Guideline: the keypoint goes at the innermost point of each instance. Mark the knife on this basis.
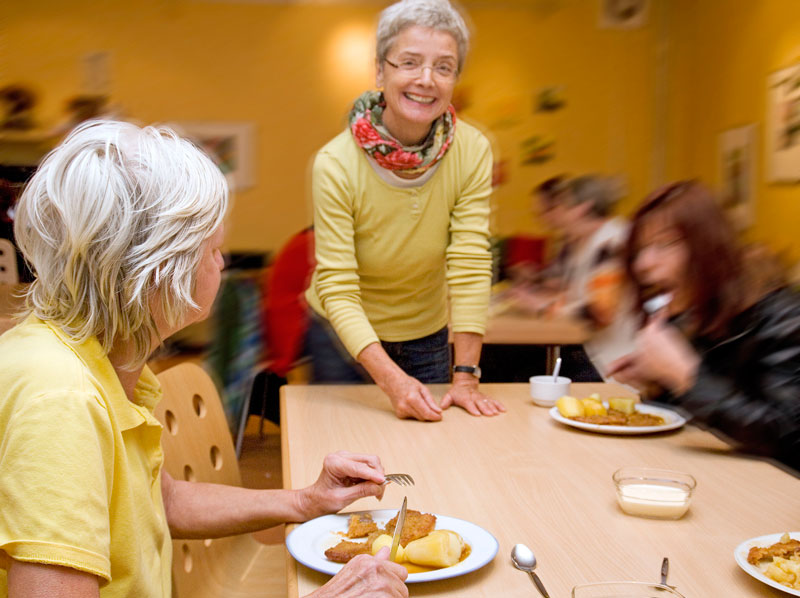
(398, 529)
(664, 571)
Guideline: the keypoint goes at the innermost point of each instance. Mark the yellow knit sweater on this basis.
(387, 255)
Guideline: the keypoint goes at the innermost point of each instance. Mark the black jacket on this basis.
(748, 385)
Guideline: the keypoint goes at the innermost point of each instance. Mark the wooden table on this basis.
(526, 478)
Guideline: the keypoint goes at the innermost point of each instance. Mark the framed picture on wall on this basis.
(737, 174)
(783, 126)
(230, 145)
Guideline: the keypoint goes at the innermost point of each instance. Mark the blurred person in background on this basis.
(726, 350)
(401, 219)
(547, 278)
(589, 275)
(123, 227)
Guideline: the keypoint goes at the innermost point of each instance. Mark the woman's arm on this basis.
(336, 281)
(464, 391)
(34, 580)
(198, 510)
(409, 397)
(756, 404)
(469, 275)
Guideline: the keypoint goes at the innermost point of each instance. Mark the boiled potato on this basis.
(440, 548)
(593, 407)
(624, 404)
(386, 540)
(569, 406)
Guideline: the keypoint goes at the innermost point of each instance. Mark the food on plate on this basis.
(416, 525)
(592, 406)
(621, 411)
(360, 525)
(780, 562)
(424, 549)
(386, 540)
(569, 406)
(440, 548)
(346, 550)
(626, 405)
(644, 419)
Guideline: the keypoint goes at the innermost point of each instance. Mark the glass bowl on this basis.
(654, 493)
(624, 589)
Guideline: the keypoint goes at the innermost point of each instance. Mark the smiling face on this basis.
(414, 101)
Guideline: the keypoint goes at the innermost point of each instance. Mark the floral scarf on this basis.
(366, 124)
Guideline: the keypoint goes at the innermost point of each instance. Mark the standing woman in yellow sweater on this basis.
(401, 218)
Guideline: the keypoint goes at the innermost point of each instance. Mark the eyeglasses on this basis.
(414, 68)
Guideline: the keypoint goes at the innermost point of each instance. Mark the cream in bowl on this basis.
(654, 493)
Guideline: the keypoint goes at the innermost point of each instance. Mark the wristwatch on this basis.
(468, 369)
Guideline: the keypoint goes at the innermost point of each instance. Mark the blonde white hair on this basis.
(116, 217)
(434, 14)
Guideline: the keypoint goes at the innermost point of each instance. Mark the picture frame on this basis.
(782, 139)
(229, 143)
(737, 174)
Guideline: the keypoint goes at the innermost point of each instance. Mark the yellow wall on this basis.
(294, 69)
(722, 52)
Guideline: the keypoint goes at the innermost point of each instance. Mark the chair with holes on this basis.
(198, 447)
(8, 263)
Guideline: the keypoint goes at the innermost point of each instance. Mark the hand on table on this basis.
(411, 398)
(464, 393)
(345, 477)
(662, 355)
(367, 576)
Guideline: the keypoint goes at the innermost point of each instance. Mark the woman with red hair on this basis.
(724, 350)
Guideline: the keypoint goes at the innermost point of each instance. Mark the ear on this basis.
(378, 74)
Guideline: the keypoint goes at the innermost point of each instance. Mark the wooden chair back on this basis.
(8, 263)
(198, 447)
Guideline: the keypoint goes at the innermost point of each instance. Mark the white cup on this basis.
(545, 392)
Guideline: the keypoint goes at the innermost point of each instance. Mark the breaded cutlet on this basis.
(361, 524)
(782, 549)
(346, 550)
(417, 525)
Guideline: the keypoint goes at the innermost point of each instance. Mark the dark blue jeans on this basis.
(427, 359)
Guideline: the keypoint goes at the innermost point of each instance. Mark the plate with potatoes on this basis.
(617, 415)
(773, 559)
(450, 548)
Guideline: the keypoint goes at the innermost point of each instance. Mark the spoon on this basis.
(524, 560)
(556, 370)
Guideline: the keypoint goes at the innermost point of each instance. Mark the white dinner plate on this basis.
(672, 420)
(740, 554)
(308, 542)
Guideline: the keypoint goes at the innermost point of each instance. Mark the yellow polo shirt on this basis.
(80, 464)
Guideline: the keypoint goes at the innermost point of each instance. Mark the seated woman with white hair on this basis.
(123, 227)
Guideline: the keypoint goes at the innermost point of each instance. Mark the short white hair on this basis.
(434, 14)
(116, 217)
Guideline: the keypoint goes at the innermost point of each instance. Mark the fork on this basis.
(401, 479)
